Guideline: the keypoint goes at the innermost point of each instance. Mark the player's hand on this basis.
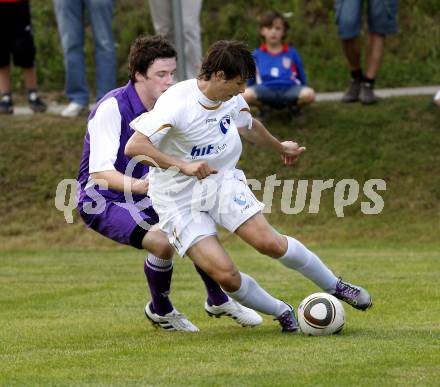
(199, 169)
(291, 152)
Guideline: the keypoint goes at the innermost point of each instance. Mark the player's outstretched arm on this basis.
(140, 145)
(259, 135)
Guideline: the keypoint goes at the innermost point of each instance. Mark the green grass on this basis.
(71, 301)
(75, 318)
(397, 140)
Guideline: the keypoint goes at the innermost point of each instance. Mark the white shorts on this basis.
(227, 201)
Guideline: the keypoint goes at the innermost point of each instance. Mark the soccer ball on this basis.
(321, 314)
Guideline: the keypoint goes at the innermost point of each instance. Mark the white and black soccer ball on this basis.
(321, 314)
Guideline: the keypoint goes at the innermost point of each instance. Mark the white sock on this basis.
(158, 264)
(300, 258)
(255, 297)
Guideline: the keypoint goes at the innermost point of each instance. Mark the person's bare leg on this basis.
(5, 79)
(257, 232)
(6, 105)
(30, 81)
(376, 44)
(375, 49)
(156, 242)
(306, 96)
(30, 78)
(250, 97)
(352, 51)
(294, 255)
(210, 256)
(158, 267)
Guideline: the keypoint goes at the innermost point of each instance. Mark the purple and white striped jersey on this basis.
(107, 134)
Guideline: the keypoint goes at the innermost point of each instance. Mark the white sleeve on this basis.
(156, 123)
(105, 132)
(242, 114)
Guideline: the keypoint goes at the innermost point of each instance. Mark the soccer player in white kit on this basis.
(192, 139)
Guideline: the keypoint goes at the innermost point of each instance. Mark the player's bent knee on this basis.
(307, 96)
(164, 250)
(159, 246)
(229, 280)
(270, 246)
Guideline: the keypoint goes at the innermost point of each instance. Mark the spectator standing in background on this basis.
(381, 22)
(70, 15)
(161, 13)
(16, 40)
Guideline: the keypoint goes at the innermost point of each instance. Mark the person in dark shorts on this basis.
(382, 21)
(16, 41)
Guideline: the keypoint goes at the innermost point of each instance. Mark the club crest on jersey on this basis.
(240, 199)
(286, 62)
(225, 122)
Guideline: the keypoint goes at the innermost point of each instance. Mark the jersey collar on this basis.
(204, 101)
(135, 102)
(284, 48)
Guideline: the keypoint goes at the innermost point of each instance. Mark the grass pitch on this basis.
(76, 318)
(71, 302)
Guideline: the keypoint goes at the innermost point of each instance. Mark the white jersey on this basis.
(187, 125)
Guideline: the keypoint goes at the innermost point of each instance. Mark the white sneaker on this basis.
(173, 321)
(244, 316)
(73, 109)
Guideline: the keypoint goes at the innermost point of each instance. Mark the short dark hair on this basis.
(269, 17)
(230, 56)
(145, 50)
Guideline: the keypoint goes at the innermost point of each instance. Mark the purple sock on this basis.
(216, 296)
(159, 272)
